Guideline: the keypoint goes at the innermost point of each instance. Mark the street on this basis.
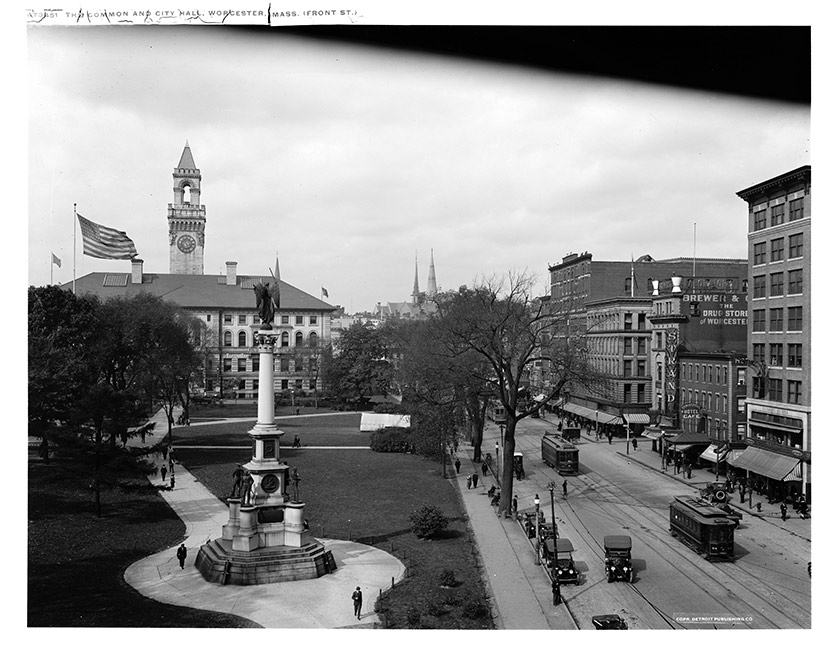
(767, 586)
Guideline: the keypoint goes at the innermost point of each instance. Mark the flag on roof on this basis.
(104, 242)
(324, 292)
(55, 260)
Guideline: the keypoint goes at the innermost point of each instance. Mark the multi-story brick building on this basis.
(778, 343)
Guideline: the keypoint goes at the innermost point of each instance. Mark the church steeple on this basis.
(186, 218)
(432, 285)
(416, 291)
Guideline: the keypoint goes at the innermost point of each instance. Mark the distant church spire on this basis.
(416, 291)
(432, 286)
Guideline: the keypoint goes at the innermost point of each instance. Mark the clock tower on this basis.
(186, 219)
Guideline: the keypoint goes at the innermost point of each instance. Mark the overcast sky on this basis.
(348, 159)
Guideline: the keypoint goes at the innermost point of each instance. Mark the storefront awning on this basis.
(714, 453)
(733, 456)
(652, 434)
(689, 438)
(592, 414)
(539, 397)
(637, 418)
(769, 464)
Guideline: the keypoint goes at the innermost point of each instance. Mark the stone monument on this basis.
(265, 539)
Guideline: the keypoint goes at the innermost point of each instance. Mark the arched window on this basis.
(298, 339)
(186, 193)
(312, 339)
(243, 338)
(227, 339)
(284, 339)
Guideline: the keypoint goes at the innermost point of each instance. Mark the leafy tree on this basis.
(357, 367)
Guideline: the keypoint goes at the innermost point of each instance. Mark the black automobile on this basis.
(618, 558)
(609, 622)
(563, 565)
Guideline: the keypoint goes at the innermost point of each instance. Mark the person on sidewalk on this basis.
(181, 554)
(783, 510)
(469, 481)
(163, 472)
(172, 481)
(357, 601)
(296, 441)
(475, 479)
(634, 442)
(457, 466)
(565, 489)
(484, 469)
(515, 506)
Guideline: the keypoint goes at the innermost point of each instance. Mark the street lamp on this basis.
(627, 433)
(536, 502)
(554, 576)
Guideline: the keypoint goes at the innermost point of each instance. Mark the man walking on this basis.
(783, 510)
(457, 466)
(357, 600)
(296, 441)
(565, 489)
(163, 472)
(475, 479)
(181, 554)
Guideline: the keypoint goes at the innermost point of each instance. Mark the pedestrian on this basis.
(469, 481)
(783, 510)
(172, 481)
(728, 485)
(634, 442)
(296, 441)
(742, 491)
(557, 592)
(457, 466)
(475, 479)
(515, 505)
(484, 469)
(803, 508)
(565, 489)
(163, 472)
(610, 435)
(357, 600)
(559, 425)
(298, 411)
(181, 554)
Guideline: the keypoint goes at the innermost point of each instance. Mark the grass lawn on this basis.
(367, 497)
(76, 560)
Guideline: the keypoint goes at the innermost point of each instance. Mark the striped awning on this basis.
(712, 454)
(772, 465)
(592, 414)
(733, 456)
(653, 434)
(637, 418)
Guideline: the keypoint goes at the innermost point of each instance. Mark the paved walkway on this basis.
(321, 603)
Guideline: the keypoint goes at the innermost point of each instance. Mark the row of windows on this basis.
(712, 401)
(707, 373)
(242, 339)
(795, 319)
(610, 345)
(795, 284)
(772, 389)
(640, 392)
(775, 356)
(285, 384)
(776, 215)
(776, 249)
(243, 363)
(242, 319)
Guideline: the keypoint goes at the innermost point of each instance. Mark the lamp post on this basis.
(554, 576)
(536, 502)
(627, 434)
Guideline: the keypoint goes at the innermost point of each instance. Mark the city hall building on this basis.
(225, 303)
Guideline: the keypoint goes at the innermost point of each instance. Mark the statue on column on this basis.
(267, 301)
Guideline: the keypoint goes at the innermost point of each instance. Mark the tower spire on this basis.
(416, 291)
(432, 285)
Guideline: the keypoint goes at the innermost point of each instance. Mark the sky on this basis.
(350, 161)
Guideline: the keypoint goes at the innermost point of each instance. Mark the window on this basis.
(683, 371)
(776, 355)
(627, 393)
(717, 405)
(660, 372)
(796, 209)
(758, 353)
(794, 318)
(227, 339)
(796, 246)
(759, 320)
(208, 318)
(627, 344)
(776, 284)
(757, 387)
(709, 373)
(641, 321)
(659, 336)
(228, 319)
(759, 286)
(794, 355)
(759, 253)
(284, 364)
(641, 393)
(243, 338)
(627, 321)
(775, 389)
(298, 320)
(708, 401)
(759, 220)
(697, 372)
(627, 368)
(312, 384)
(795, 281)
(741, 376)
(226, 364)
(741, 405)
(254, 384)
(255, 363)
(312, 339)
(284, 319)
(641, 368)
(298, 364)
(777, 215)
(284, 384)
(242, 364)
(776, 249)
(776, 319)
(298, 384)
(284, 339)
(243, 319)
(312, 320)
(298, 339)
(641, 345)
(627, 286)
(794, 391)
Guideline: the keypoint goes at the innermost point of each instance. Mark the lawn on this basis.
(77, 561)
(367, 497)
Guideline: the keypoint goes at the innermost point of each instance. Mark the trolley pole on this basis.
(554, 577)
(536, 502)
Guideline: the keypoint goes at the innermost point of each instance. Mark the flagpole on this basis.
(74, 248)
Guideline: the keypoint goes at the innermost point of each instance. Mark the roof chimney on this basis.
(138, 271)
(230, 267)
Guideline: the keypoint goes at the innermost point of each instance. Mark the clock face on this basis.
(186, 243)
(270, 483)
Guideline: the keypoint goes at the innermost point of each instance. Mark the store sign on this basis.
(690, 411)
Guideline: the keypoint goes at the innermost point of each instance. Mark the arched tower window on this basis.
(227, 339)
(298, 339)
(243, 338)
(186, 193)
(312, 339)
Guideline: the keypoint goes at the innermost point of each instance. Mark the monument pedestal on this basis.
(265, 539)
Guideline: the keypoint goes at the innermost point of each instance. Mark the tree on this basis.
(357, 367)
(499, 322)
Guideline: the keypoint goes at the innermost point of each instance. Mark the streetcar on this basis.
(497, 414)
(560, 454)
(703, 527)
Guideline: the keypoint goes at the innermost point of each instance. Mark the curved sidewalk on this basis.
(321, 603)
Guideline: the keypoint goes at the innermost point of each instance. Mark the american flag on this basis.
(104, 242)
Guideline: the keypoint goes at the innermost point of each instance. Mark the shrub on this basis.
(389, 408)
(473, 608)
(447, 578)
(413, 616)
(391, 439)
(428, 521)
